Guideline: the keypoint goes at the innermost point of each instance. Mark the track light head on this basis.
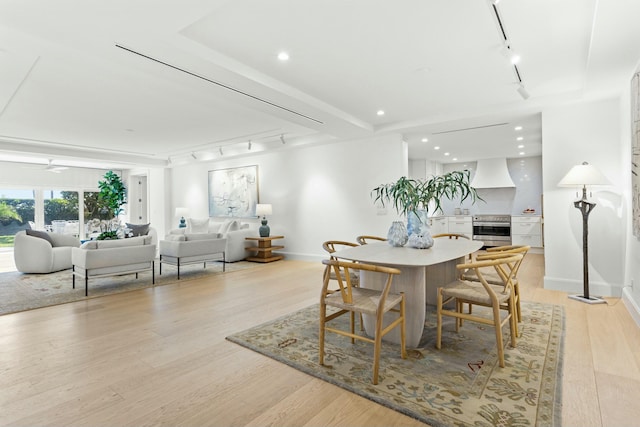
(523, 92)
(194, 156)
(220, 150)
(249, 145)
(282, 139)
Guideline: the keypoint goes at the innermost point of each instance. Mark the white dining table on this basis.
(422, 272)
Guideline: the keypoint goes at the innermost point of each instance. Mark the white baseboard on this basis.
(576, 287)
(632, 306)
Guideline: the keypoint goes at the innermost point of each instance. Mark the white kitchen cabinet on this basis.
(526, 230)
(461, 225)
(439, 224)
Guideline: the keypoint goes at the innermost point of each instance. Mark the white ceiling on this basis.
(123, 82)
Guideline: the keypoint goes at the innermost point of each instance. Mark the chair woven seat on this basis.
(364, 301)
(492, 278)
(474, 292)
(355, 279)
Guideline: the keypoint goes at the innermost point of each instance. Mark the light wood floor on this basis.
(159, 357)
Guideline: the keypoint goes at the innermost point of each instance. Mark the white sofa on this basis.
(183, 249)
(101, 258)
(233, 230)
(43, 252)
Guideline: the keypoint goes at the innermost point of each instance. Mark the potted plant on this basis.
(414, 198)
(113, 194)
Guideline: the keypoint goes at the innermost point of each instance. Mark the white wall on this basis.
(318, 193)
(589, 132)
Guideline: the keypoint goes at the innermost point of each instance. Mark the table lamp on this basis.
(264, 209)
(182, 212)
(581, 176)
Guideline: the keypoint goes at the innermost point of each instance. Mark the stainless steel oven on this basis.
(493, 230)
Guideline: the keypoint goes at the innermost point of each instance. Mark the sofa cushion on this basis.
(214, 227)
(175, 237)
(232, 225)
(118, 243)
(91, 244)
(201, 236)
(41, 234)
(198, 225)
(138, 229)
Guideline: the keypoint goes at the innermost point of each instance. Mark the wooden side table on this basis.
(264, 249)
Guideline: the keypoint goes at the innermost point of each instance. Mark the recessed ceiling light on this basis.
(522, 153)
(518, 128)
(283, 56)
(446, 154)
(380, 112)
(520, 146)
(519, 138)
(436, 148)
(455, 159)
(425, 139)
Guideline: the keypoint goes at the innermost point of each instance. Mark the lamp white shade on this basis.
(583, 175)
(263, 209)
(181, 212)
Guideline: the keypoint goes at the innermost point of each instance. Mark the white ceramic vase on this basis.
(397, 235)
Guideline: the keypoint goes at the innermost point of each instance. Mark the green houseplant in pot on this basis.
(113, 194)
(414, 198)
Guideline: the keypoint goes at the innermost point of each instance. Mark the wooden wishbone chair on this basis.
(351, 299)
(499, 297)
(334, 245)
(455, 236)
(363, 239)
(450, 236)
(502, 251)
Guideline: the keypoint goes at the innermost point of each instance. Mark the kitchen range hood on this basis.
(492, 173)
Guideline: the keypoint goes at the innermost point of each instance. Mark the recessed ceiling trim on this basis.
(471, 128)
(257, 98)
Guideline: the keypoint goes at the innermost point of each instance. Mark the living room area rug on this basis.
(22, 291)
(459, 385)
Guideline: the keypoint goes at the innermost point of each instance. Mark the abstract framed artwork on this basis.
(233, 192)
(635, 152)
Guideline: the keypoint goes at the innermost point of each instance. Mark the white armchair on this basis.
(102, 258)
(179, 250)
(43, 251)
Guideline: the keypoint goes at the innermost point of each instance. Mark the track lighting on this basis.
(194, 156)
(249, 145)
(282, 139)
(523, 92)
(220, 150)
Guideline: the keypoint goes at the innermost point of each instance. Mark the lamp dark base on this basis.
(590, 300)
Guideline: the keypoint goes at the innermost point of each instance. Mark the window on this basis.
(61, 211)
(17, 212)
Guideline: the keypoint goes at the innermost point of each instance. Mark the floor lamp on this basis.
(581, 176)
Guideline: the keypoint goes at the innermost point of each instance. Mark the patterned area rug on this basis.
(20, 291)
(460, 385)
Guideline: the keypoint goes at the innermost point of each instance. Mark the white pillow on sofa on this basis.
(198, 225)
(232, 225)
